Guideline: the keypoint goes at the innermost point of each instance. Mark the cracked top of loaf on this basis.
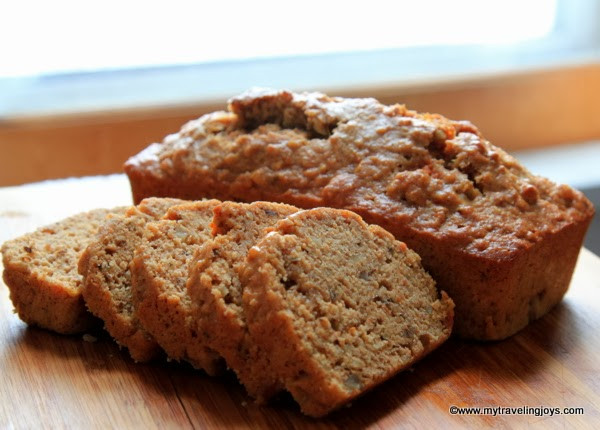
(430, 173)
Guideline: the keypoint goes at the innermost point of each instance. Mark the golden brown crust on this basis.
(216, 291)
(434, 183)
(105, 267)
(339, 306)
(40, 272)
(159, 274)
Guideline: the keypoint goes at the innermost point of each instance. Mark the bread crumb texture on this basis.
(216, 290)
(159, 275)
(339, 306)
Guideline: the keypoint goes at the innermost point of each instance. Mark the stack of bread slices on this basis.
(314, 302)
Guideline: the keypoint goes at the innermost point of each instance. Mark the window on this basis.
(69, 36)
(70, 56)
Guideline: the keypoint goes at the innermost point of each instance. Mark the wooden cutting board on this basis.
(53, 381)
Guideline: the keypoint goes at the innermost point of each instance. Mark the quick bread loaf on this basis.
(105, 267)
(40, 270)
(159, 274)
(339, 306)
(216, 291)
(502, 242)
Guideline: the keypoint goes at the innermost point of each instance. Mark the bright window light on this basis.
(68, 36)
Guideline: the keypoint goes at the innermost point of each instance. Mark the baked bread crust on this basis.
(339, 306)
(216, 291)
(105, 267)
(501, 241)
(40, 272)
(159, 273)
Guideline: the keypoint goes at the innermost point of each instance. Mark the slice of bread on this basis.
(216, 290)
(339, 306)
(40, 270)
(107, 278)
(159, 274)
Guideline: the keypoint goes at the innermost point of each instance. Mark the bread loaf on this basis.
(502, 242)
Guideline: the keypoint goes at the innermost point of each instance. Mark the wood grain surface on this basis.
(52, 381)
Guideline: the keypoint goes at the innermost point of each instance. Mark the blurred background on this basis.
(84, 85)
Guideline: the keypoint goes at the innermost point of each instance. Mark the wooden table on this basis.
(52, 381)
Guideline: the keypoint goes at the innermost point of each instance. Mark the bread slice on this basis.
(159, 274)
(216, 290)
(107, 278)
(339, 306)
(40, 270)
